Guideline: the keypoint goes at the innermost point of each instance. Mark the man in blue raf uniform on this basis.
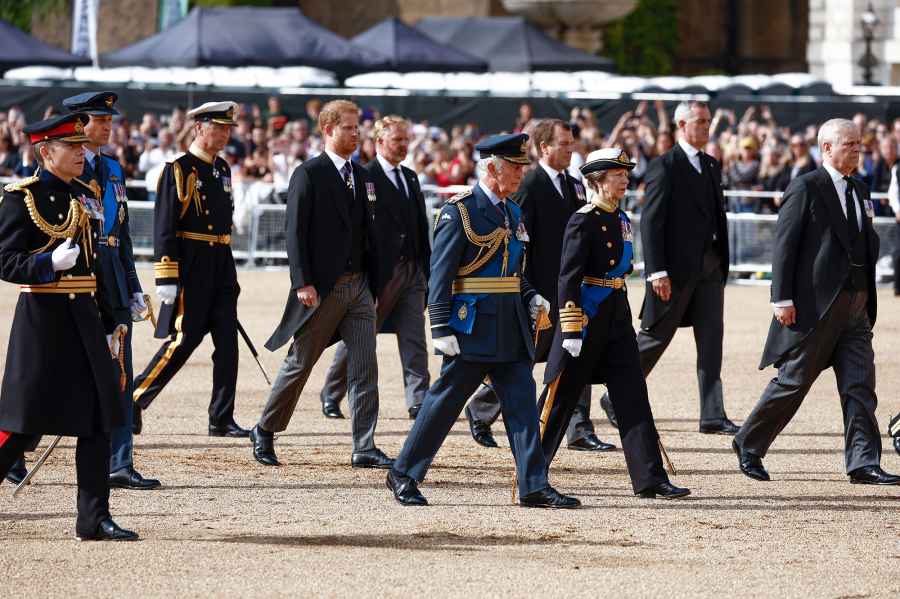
(116, 260)
(60, 376)
(196, 280)
(477, 302)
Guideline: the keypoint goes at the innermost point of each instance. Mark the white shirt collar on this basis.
(89, 156)
(386, 166)
(338, 161)
(836, 177)
(490, 194)
(690, 150)
(551, 172)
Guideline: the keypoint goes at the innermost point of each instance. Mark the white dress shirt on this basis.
(388, 169)
(339, 163)
(554, 177)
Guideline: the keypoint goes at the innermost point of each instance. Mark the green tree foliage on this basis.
(644, 42)
(18, 12)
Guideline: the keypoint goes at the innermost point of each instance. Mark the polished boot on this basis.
(414, 411)
(664, 490)
(263, 446)
(108, 531)
(549, 498)
(405, 489)
(228, 430)
(719, 427)
(17, 472)
(331, 410)
(750, 464)
(590, 443)
(873, 475)
(481, 432)
(373, 458)
(129, 478)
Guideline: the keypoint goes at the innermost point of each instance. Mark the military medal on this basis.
(870, 208)
(522, 233)
(226, 184)
(579, 191)
(462, 312)
(121, 212)
(626, 230)
(370, 191)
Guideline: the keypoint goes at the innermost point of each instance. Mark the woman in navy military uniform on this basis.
(61, 375)
(595, 342)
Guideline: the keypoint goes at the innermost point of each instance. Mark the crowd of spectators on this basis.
(756, 152)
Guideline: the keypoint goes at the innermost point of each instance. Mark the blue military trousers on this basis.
(514, 385)
(121, 440)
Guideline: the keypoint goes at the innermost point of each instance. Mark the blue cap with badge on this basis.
(510, 147)
(93, 103)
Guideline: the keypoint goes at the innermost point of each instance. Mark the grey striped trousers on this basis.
(349, 310)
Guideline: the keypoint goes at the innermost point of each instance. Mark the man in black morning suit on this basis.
(404, 254)
(548, 196)
(824, 300)
(330, 231)
(685, 241)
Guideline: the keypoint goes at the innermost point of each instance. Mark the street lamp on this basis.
(869, 21)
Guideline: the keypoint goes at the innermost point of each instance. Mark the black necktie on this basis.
(399, 178)
(97, 166)
(852, 225)
(562, 185)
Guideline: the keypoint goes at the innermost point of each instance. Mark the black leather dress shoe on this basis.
(129, 478)
(894, 431)
(481, 432)
(405, 489)
(263, 447)
(373, 458)
(108, 531)
(591, 443)
(664, 490)
(228, 430)
(331, 410)
(137, 419)
(607, 406)
(719, 427)
(549, 498)
(873, 475)
(17, 472)
(751, 464)
(414, 411)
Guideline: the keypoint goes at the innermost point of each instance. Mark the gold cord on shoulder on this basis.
(487, 244)
(74, 226)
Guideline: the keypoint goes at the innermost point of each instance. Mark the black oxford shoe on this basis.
(591, 443)
(108, 531)
(665, 490)
(607, 406)
(719, 427)
(129, 478)
(373, 458)
(228, 430)
(263, 447)
(331, 410)
(17, 472)
(481, 432)
(873, 475)
(414, 411)
(137, 419)
(750, 464)
(549, 498)
(405, 490)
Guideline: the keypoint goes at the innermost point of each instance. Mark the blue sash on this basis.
(592, 295)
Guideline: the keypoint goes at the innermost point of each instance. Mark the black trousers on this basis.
(611, 352)
(201, 307)
(92, 469)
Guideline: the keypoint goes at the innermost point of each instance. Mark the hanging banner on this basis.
(84, 28)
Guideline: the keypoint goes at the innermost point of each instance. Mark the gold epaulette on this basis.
(166, 268)
(571, 318)
(93, 186)
(461, 195)
(20, 185)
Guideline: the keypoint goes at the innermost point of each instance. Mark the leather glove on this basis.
(65, 255)
(167, 293)
(449, 345)
(138, 306)
(573, 346)
(536, 303)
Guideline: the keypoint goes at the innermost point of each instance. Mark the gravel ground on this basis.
(224, 525)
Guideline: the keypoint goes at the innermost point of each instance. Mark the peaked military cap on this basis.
(93, 103)
(217, 112)
(511, 147)
(67, 127)
(605, 159)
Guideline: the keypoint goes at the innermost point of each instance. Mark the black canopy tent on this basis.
(247, 36)
(23, 50)
(510, 44)
(410, 50)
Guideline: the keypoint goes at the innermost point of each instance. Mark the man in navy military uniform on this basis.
(116, 260)
(477, 301)
(61, 376)
(195, 275)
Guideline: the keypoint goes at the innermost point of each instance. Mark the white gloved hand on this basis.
(536, 303)
(112, 341)
(167, 293)
(449, 345)
(138, 306)
(573, 346)
(65, 255)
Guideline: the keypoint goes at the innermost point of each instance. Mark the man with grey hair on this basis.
(824, 303)
(685, 241)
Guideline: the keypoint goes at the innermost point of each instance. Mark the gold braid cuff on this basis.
(571, 318)
(166, 268)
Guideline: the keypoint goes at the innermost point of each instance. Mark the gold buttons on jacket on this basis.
(207, 213)
(71, 296)
(603, 228)
(612, 262)
(609, 244)
(59, 216)
(209, 227)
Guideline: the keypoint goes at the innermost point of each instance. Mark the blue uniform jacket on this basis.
(491, 327)
(117, 258)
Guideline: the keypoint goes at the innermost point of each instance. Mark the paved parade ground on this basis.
(225, 526)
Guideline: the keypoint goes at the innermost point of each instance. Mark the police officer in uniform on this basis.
(196, 280)
(595, 342)
(477, 302)
(61, 376)
(116, 259)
